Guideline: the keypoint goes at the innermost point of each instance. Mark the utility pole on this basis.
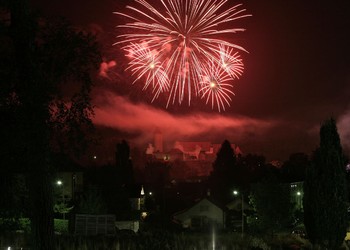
(235, 193)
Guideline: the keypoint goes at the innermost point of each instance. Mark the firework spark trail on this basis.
(215, 86)
(146, 63)
(231, 62)
(186, 41)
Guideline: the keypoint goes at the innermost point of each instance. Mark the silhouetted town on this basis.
(80, 101)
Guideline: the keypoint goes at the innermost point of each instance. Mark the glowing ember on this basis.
(175, 45)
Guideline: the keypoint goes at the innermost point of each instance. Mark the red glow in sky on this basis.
(296, 75)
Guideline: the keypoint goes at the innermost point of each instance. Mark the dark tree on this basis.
(92, 202)
(224, 176)
(124, 168)
(45, 72)
(325, 196)
(251, 169)
(157, 173)
(293, 170)
(271, 201)
(13, 197)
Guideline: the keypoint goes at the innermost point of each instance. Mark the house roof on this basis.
(196, 203)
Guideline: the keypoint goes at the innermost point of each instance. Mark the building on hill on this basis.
(158, 141)
(187, 159)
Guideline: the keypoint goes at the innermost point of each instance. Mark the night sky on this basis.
(297, 74)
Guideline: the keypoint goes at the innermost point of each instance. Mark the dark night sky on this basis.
(297, 74)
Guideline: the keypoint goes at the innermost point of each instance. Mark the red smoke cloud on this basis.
(119, 113)
(105, 67)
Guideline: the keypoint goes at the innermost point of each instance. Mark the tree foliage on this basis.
(224, 174)
(272, 204)
(325, 196)
(44, 96)
(92, 203)
(251, 169)
(124, 168)
(293, 170)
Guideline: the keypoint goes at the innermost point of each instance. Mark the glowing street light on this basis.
(299, 199)
(60, 183)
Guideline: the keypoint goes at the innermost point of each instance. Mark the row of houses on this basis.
(199, 215)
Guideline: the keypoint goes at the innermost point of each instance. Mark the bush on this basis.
(14, 224)
(61, 226)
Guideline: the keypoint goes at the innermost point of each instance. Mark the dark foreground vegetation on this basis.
(161, 240)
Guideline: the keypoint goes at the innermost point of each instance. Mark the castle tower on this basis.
(158, 141)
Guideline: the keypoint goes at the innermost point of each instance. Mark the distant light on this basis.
(9, 248)
(298, 193)
(59, 182)
(235, 192)
(142, 191)
(95, 157)
(144, 215)
(348, 167)
(150, 193)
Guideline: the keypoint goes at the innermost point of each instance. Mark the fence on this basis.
(86, 224)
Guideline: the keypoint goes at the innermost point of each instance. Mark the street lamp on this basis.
(235, 193)
(60, 183)
(299, 199)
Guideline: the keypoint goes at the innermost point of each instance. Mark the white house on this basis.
(203, 214)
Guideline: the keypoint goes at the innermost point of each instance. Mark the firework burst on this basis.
(176, 45)
(231, 62)
(216, 86)
(145, 63)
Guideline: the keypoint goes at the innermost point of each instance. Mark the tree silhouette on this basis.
(251, 168)
(325, 209)
(223, 176)
(92, 202)
(124, 168)
(46, 70)
(272, 203)
(293, 170)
